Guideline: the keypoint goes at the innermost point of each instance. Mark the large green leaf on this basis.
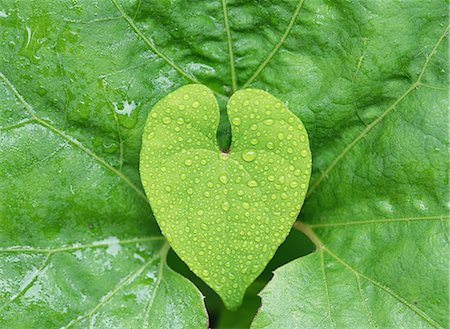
(368, 78)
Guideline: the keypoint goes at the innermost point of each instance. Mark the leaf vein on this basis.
(364, 302)
(375, 122)
(403, 301)
(381, 221)
(306, 229)
(127, 280)
(230, 46)
(149, 305)
(150, 45)
(277, 47)
(98, 244)
(70, 139)
(17, 125)
(28, 284)
(327, 292)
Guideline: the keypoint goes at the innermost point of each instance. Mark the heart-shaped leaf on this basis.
(225, 214)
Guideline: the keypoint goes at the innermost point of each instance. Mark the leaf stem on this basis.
(306, 230)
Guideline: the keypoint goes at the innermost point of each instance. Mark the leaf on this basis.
(217, 209)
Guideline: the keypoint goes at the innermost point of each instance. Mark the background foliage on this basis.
(369, 79)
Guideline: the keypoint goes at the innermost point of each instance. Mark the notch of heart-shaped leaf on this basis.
(224, 214)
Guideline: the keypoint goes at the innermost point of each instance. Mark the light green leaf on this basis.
(225, 213)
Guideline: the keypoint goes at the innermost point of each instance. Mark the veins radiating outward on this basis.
(415, 85)
(306, 229)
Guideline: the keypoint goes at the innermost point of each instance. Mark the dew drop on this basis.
(195, 104)
(188, 162)
(252, 183)
(280, 136)
(226, 206)
(190, 191)
(204, 226)
(268, 122)
(236, 121)
(249, 156)
(240, 193)
(270, 145)
(205, 272)
(245, 205)
(223, 178)
(253, 127)
(166, 120)
(294, 184)
(304, 153)
(254, 141)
